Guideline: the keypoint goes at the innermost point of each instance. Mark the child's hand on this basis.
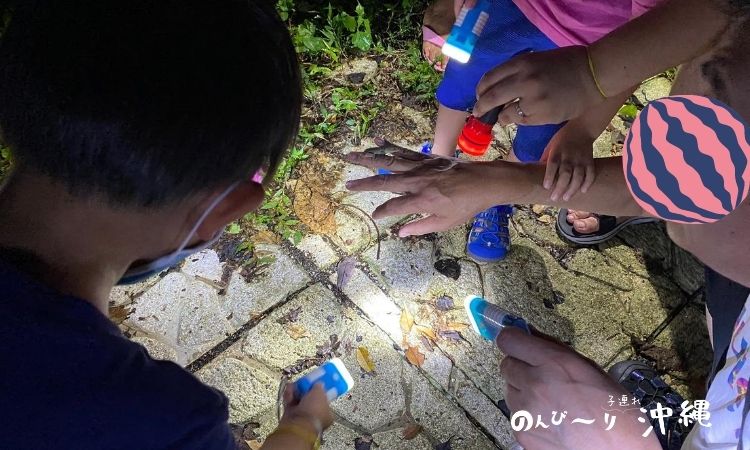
(432, 48)
(458, 4)
(312, 411)
(570, 162)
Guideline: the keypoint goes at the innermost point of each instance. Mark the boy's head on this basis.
(142, 103)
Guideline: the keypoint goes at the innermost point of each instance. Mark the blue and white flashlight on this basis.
(488, 320)
(334, 377)
(466, 31)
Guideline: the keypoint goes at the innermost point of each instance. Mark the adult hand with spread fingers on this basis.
(447, 191)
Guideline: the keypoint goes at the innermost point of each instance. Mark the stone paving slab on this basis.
(246, 299)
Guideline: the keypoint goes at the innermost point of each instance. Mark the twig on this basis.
(372, 221)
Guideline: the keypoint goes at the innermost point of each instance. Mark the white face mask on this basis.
(139, 273)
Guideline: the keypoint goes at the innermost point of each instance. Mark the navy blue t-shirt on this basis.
(70, 380)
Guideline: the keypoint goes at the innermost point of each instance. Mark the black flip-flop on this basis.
(608, 228)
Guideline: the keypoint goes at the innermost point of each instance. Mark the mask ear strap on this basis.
(219, 198)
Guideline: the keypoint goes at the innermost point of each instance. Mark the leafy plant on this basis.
(285, 8)
(333, 36)
(416, 76)
(5, 160)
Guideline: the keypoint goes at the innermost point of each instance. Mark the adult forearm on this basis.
(522, 184)
(664, 37)
(596, 119)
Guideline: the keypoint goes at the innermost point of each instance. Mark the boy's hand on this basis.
(546, 379)
(570, 162)
(312, 411)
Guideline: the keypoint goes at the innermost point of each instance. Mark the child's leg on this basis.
(449, 124)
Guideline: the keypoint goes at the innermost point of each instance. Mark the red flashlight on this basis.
(476, 135)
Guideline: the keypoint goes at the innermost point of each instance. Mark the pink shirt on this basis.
(579, 22)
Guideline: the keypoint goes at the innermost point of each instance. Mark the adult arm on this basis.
(663, 37)
(450, 192)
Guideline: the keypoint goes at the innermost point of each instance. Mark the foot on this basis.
(489, 239)
(587, 222)
(643, 383)
(585, 228)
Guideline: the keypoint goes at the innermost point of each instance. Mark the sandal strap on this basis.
(428, 35)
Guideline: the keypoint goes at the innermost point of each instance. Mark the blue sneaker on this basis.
(489, 239)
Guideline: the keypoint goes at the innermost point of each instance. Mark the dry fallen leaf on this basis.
(427, 344)
(538, 209)
(445, 445)
(427, 332)
(119, 313)
(457, 326)
(450, 335)
(444, 303)
(254, 445)
(291, 316)
(546, 218)
(363, 443)
(344, 271)
(296, 332)
(414, 356)
(411, 431)
(364, 359)
(407, 321)
(265, 237)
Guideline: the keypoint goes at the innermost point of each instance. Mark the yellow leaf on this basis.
(254, 445)
(538, 209)
(118, 314)
(364, 359)
(296, 332)
(546, 218)
(414, 356)
(427, 332)
(457, 326)
(407, 321)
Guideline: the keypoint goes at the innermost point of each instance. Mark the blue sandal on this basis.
(489, 239)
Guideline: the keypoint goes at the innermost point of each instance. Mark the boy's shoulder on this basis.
(70, 379)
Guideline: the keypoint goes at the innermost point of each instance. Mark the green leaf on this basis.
(362, 40)
(628, 112)
(234, 228)
(349, 22)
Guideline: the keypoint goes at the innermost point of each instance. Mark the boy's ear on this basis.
(246, 197)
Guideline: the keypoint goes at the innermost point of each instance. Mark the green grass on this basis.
(416, 76)
(5, 161)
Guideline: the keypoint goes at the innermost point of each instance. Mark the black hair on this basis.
(146, 102)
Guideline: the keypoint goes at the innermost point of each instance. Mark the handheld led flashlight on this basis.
(488, 320)
(334, 377)
(466, 31)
